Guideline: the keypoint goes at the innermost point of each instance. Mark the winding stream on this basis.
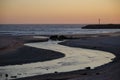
(75, 59)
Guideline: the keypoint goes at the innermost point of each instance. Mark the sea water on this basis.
(49, 29)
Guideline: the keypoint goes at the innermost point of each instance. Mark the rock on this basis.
(56, 72)
(84, 74)
(97, 73)
(54, 37)
(13, 76)
(6, 75)
(88, 68)
(61, 37)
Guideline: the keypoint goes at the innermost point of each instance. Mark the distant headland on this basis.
(102, 26)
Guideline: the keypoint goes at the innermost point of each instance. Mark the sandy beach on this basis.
(107, 42)
(59, 39)
(13, 51)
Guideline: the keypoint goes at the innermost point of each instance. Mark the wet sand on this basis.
(13, 51)
(27, 54)
(109, 71)
(75, 59)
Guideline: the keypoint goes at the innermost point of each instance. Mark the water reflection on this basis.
(75, 59)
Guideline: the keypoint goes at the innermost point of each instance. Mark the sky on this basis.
(59, 11)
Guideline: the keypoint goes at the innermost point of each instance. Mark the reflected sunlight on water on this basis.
(75, 59)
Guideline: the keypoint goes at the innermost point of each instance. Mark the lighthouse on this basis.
(99, 21)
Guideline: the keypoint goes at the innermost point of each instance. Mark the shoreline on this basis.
(99, 73)
(87, 74)
(14, 52)
(27, 55)
(113, 48)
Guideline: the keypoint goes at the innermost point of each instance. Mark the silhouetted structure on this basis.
(102, 26)
(99, 21)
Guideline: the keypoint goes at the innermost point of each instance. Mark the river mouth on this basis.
(75, 59)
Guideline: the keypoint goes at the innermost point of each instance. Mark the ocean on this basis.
(49, 29)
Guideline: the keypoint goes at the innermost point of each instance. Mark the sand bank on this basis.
(109, 71)
(75, 59)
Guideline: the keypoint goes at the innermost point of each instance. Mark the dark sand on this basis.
(12, 51)
(28, 55)
(111, 71)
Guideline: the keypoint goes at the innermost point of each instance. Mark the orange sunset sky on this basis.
(59, 11)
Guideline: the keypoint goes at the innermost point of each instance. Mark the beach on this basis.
(104, 42)
(59, 40)
(13, 51)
